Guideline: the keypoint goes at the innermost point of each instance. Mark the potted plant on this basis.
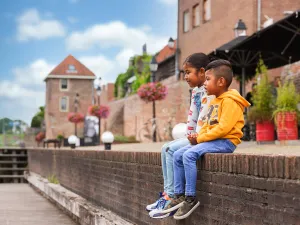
(263, 101)
(286, 111)
(60, 138)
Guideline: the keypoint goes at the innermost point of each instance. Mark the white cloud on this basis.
(123, 57)
(26, 91)
(33, 74)
(169, 2)
(115, 34)
(32, 26)
(72, 19)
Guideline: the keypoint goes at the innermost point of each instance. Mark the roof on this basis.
(166, 52)
(229, 45)
(63, 68)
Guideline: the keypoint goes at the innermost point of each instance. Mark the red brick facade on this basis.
(81, 82)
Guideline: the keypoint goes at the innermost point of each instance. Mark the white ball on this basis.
(179, 131)
(107, 137)
(72, 139)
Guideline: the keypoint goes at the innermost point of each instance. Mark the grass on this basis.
(53, 179)
(11, 139)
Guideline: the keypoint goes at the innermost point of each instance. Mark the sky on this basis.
(36, 35)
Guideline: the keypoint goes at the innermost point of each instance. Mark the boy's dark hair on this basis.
(221, 68)
(197, 60)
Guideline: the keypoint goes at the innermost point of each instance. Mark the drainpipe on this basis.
(258, 15)
(177, 45)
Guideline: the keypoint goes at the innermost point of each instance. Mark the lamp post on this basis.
(107, 138)
(153, 69)
(98, 94)
(76, 103)
(240, 30)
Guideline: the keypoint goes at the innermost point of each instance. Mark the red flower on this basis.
(75, 117)
(101, 111)
(152, 92)
(40, 136)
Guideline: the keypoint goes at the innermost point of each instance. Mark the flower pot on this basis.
(287, 126)
(264, 131)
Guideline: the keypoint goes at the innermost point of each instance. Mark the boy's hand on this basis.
(193, 138)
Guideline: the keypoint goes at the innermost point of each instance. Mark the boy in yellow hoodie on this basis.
(221, 133)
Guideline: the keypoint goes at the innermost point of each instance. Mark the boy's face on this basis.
(194, 77)
(212, 84)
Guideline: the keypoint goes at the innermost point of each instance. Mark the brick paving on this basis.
(21, 205)
(290, 148)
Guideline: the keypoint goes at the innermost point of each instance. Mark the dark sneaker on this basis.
(186, 209)
(176, 203)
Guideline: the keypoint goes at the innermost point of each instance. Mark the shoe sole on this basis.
(173, 208)
(160, 217)
(186, 215)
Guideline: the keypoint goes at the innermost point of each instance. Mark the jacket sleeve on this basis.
(193, 114)
(230, 114)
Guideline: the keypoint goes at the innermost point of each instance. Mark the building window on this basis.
(63, 104)
(196, 15)
(71, 69)
(206, 10)
(186, 21)
(63, 84)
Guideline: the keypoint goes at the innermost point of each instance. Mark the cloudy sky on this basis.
(36, 35)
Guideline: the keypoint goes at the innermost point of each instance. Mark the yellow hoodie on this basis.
(225, 118)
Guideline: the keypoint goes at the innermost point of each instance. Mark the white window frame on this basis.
(67, 104)
(196, 16)
(186, 21)
(206, 10)
(60, 85)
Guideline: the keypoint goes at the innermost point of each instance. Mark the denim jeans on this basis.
(167, 152)
(185, 159)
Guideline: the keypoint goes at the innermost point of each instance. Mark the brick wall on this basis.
(232, 188)
(56, 121)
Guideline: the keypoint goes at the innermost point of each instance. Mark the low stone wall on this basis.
(232, 188)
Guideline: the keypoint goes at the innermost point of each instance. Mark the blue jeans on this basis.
(167, 152)
(185, 168)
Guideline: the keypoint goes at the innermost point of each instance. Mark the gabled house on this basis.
(69, 82)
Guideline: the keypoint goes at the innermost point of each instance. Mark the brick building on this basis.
(204, 25)
(63, 83)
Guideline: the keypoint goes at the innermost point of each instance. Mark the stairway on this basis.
(13, 163)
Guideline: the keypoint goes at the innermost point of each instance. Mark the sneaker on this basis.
(189, 205)
(157, 214)
(161, 205)
(175, 203)
(153, 205)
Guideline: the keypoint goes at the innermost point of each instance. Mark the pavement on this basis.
(21, 205)
(291, 148)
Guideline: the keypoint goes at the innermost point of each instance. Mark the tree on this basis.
(38, 118)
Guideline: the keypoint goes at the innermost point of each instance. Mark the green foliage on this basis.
(38, 118)
(287, 98)
(262, 96)
(53, 179)
(60, 137)
(140, 69)
(124, 139)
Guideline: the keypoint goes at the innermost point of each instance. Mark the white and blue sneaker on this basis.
(161, 205)
(153, 205)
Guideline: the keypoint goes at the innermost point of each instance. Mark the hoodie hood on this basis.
(235, 95)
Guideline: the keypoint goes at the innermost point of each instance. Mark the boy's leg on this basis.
(172, 147)
(190, 158)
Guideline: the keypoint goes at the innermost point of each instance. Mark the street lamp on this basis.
(171, 43)
(98, 94)
(153, 69)
(76, 104)
(107, 138)
(240, 28)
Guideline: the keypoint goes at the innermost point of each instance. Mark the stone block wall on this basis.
(232, 188)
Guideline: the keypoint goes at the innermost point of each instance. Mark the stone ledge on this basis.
(84, 212)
